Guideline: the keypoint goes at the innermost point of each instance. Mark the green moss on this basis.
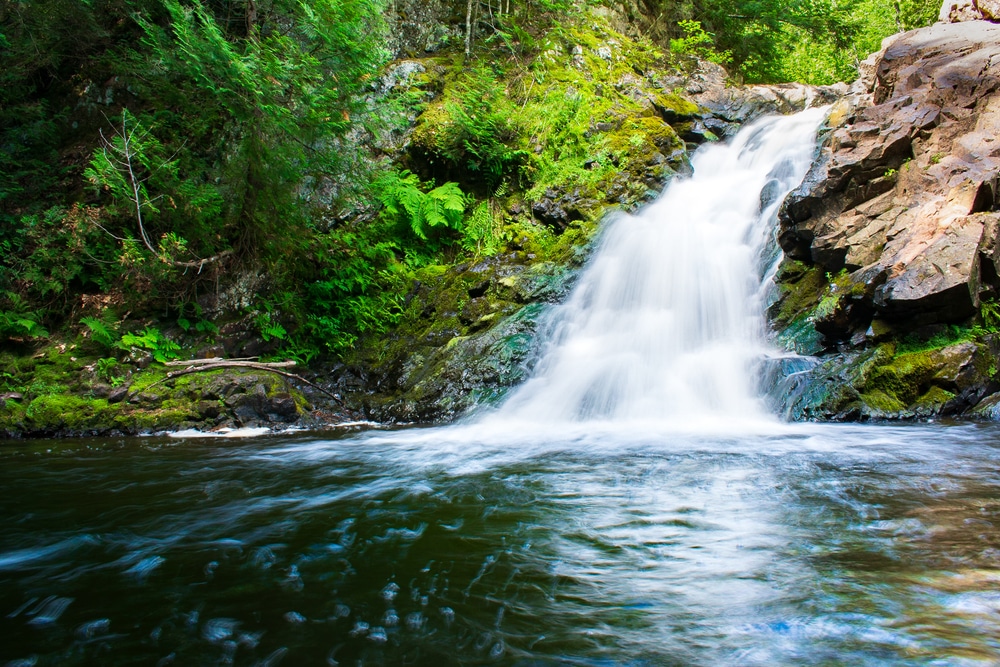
(933, 400)
(905, 378)
(800, 287)
(71, 412)
(881, 402)
(949, 335)
(676, 105)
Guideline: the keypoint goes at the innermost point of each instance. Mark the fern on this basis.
(403, 199)
(482, 233)
(18, 322)
(101, 332)
(989, 313)
(162, 348)
(270, 328)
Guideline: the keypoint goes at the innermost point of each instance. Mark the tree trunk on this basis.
(468, 28)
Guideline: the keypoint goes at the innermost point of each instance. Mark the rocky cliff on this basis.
(891, 242)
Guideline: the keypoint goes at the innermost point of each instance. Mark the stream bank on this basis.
(887, 287)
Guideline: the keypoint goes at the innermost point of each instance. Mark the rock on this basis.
(899, 213)
(212, 351)
(100, 390)
(118, 394)
(399, 75)
(558, 210)
(141, 359)
(958, 11)
(956, 366)
(941, 283)
(208, 409)
(905, 186)
(727, 108)
(990, 9)
(11, 396)
(441, 383)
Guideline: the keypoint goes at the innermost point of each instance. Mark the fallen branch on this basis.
(215, 360)
(204, 365)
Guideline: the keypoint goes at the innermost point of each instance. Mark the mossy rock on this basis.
(675, 108)
(60, 412)
(800, 289)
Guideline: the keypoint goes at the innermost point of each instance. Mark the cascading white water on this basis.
(666, 322)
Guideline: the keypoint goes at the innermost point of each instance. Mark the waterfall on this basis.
(666, 322)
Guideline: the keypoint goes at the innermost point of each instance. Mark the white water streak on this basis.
(666, 323)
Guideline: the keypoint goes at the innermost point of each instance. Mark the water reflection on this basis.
(797, 545)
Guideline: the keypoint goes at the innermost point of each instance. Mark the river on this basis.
(833, 545)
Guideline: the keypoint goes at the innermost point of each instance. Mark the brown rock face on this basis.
(956, 11)
(905, 192)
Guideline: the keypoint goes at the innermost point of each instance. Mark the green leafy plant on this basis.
(162, 348)
(989, 314)
(473, 133)
(200, 325)
(269, 327)
(105, 369)
(483, 229)
(20, 324)
(441, 207)
(696, 42)
(103, 330)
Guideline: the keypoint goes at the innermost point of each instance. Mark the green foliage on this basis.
(17, 325)
(201, 326)
(403, 198)
(813, 41)
(472, 133)
(697, 42)
(270, 328)
(950, 335)
(132, 165)
(102, 331)
(105, 369)
(278, 96)
(162, 348)
(989, 315)
(483, 233)
(358, 291)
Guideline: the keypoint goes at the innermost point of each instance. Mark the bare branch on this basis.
(201, 367)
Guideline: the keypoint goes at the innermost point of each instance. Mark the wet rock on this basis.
(443, 382)
(899, 212)
(260, 406)
(726, 108)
